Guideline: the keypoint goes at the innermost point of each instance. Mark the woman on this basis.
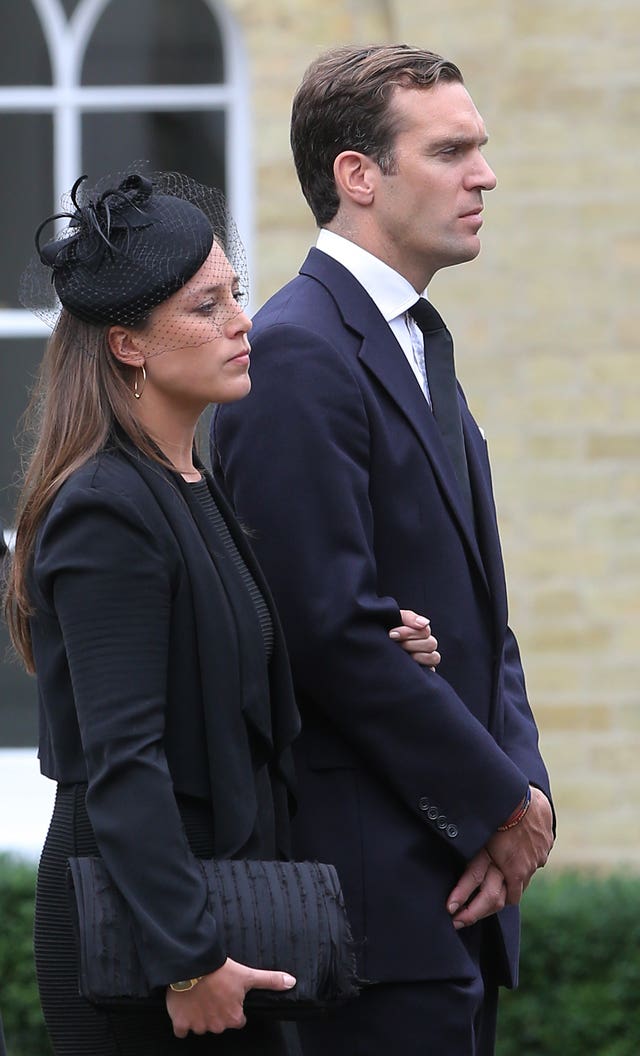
(166, 710)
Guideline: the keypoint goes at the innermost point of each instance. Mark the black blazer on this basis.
(152, 681)
(336, 461)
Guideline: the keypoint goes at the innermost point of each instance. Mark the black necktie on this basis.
(441, 375)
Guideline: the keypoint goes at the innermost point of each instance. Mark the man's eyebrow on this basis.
(453, 140)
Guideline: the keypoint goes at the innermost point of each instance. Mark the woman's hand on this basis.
(216, 1002)
(415, 637)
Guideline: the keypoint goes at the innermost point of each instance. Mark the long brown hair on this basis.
(82, 392)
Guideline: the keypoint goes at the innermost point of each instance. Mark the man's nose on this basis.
(487, 177)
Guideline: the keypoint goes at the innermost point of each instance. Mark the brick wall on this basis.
(546, 327)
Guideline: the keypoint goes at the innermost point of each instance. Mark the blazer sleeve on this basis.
(295, 459)
(106, 572)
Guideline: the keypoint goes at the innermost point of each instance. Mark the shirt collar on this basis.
(391, 292)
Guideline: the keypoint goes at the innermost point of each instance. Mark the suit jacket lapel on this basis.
(383, 357)
(486, 519)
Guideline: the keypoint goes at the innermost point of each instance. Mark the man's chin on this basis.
(463, 253)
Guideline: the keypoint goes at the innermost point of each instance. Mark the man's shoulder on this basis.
(301, 302)
(322, 295)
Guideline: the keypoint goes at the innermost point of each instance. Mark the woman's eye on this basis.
(206, 307)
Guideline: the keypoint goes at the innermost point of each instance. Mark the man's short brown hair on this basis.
(343, 103)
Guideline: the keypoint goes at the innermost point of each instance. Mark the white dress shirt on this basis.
(392, 294)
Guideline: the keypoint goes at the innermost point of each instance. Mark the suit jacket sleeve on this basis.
(517, 731)
(295, 458)
(520, 735)
(105, 573)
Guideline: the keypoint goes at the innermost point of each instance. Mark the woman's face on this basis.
(195, 344)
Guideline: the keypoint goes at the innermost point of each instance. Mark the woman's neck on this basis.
(174, 435)
(180, 454)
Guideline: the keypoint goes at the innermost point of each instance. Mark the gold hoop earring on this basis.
(137, 392)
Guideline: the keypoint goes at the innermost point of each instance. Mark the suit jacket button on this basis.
(423, 803)
(452, 831)
(441, 822)
(432, 813)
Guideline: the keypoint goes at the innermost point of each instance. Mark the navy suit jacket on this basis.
(335, 462)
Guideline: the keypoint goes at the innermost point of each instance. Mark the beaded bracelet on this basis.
(518, 814)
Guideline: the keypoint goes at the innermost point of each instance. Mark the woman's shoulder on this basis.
(109, 468)
(105, 526)
(108, 485)
(106, 513)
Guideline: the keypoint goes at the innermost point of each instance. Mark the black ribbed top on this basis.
(201, 490)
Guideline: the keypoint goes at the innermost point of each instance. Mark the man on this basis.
(366, 481)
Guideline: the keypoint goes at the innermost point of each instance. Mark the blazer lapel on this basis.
(225, 666)
(383, 357)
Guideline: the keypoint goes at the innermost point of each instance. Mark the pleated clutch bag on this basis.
(273, 915)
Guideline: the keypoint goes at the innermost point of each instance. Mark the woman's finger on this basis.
(426, 659)
(413, 619)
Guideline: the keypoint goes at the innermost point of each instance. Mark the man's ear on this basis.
(124, 346)
(355, 174)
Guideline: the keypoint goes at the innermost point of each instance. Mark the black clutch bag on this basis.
(287, 916)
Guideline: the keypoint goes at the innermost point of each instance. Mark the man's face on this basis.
(426, 216)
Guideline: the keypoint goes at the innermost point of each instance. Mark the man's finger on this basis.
(470, 880)
(490, 899)
(515, 889)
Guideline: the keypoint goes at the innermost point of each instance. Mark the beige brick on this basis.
(628, 718)
(613, 445)
(573, 19)
(578, 796)
(574, 717)
(554, 675)
(561, 445)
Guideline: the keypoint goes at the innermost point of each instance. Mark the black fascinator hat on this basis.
(130, 243)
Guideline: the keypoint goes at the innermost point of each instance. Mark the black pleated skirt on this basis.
(77, 1027)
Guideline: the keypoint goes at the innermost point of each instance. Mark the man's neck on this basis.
(371, 241)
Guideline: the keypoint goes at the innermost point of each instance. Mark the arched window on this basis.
(88, 86)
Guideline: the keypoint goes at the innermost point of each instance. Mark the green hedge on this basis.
(579, 992)
(579, 987)
(23, 1024)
